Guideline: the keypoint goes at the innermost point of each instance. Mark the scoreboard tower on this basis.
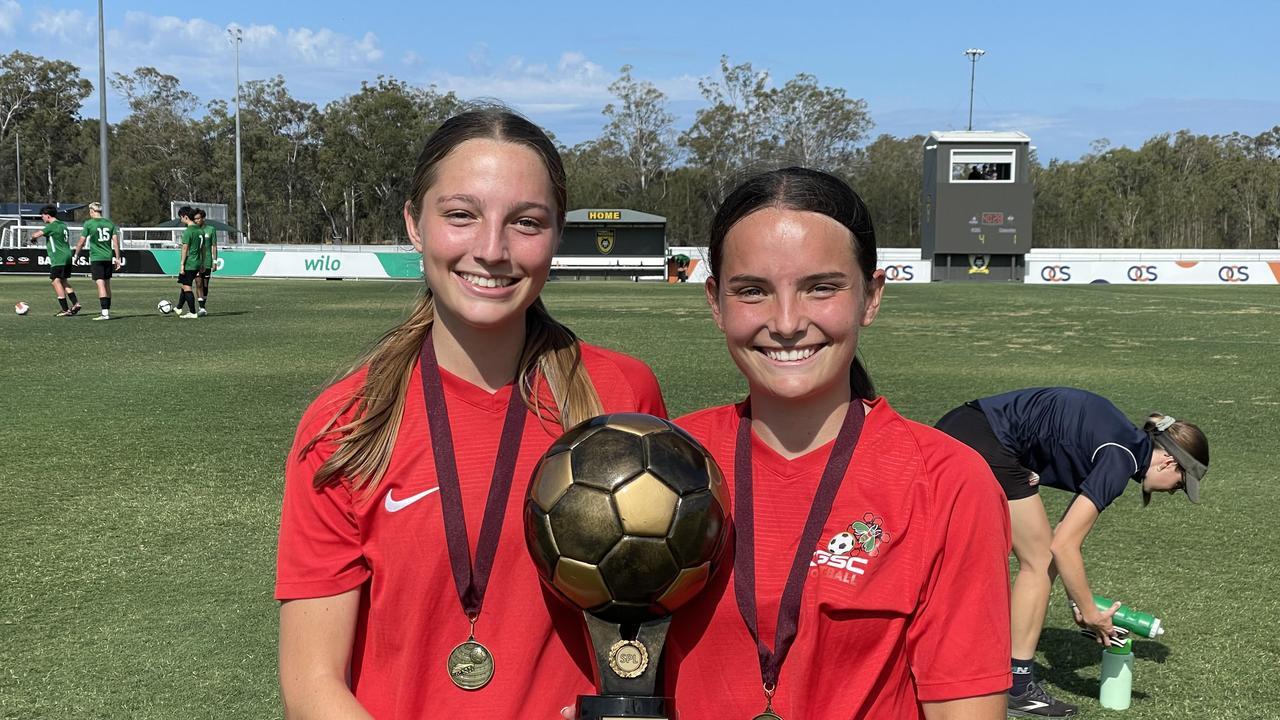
(976, 197)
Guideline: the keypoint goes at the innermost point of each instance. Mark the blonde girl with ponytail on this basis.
(405, 586)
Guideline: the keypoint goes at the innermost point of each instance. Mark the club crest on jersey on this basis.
(869, 534)
(848, 553)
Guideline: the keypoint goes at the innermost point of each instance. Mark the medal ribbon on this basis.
(744, 566)
(471, 584)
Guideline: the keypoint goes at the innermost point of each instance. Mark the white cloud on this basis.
(565, 90)
(478, 58)
(196, 49)
(320, 64)
(573, 81)
(326, 48)
(573, 84)
(169, 27)
(1025, 122)
(10, 16)
(68, 25)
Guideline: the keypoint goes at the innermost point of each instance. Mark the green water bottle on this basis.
(1116, 689)
(1143, 624)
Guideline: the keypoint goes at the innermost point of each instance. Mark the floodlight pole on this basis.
(105, 181)
(237, 37)
(974, 54)
(17, 162)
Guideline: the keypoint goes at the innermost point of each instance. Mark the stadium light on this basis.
(17, 165)
(105, 181)
(237, 37)
(974, 54)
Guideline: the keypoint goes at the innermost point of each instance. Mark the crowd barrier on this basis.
(900, 265)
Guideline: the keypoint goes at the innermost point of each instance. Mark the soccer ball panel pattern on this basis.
(646, 505)
(637, 570)
(697, 529)
(677, 460)
(614, 457)
(574, 435)
(557, 478)
(637, 423)
(687, 584)
(541, 541)
(716, 481)
(581, 583)
(626, 517)
(841, 543)
(584, 524)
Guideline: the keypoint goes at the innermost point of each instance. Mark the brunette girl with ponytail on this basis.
(858, 587)
(383, 578)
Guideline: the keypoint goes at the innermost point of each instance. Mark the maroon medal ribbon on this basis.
(471, 583)
(744, 565)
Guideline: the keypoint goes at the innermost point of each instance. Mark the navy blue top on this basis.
(1075, 440)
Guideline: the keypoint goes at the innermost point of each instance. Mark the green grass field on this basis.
(141, 460)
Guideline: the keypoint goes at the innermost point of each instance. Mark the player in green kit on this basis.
(208, 256)
(58, 250)
(188, 263)
(103, 237)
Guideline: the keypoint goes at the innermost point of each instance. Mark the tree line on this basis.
(341, 172)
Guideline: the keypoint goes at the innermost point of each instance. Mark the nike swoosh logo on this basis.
(1034, 705)
(393, 505)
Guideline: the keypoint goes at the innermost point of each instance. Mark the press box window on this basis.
(982, 165)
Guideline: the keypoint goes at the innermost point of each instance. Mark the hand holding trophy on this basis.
(626, 519)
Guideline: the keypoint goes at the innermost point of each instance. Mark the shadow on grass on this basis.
(211, 314)
(157, 316)
(1075, 662)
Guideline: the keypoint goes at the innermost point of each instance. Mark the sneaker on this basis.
(102, 317)
(63, 313)
(75, 309)
(202, 312)
(1035, 702)
(189, 316)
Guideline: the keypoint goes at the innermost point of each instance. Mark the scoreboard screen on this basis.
(615, 241)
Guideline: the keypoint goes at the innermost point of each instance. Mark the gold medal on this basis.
(470, 665)
(628, 658)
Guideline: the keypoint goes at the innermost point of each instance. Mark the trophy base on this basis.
(623, 707)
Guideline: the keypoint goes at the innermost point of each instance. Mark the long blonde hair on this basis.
(551, 353)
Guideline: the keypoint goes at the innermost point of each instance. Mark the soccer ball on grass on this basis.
(21, 308)
(165, 307)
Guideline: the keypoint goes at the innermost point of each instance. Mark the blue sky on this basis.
(1065, 73)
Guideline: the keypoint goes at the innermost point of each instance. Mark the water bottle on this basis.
(1116, 689)
(1143, 624)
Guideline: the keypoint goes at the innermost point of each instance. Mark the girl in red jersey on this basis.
(396, 518)
(868, 579)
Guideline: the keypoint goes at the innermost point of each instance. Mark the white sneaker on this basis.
(189, 316)
(103, 317)
(202, 312)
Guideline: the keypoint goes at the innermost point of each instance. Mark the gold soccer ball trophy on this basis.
(626, 519)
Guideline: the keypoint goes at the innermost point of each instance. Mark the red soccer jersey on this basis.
(907, 597)
(392, 546)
